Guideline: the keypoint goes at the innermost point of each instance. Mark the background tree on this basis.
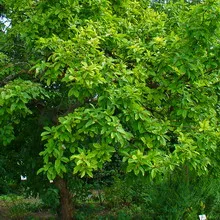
(98, 78)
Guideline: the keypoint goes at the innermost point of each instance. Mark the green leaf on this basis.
(45, 133)
(63, 168)
(40, 170)
(89, 173)
(74, 92)
(90, 122)
(57, 165)
(153, 173)
(65, 159)
(48, 81)
(83, 173)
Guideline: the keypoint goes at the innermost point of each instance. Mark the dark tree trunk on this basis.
(66, 205)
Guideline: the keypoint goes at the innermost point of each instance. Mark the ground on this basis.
(19, 209)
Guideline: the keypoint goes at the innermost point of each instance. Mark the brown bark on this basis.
(66, 205)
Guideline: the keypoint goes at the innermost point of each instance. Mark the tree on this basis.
(97, 78)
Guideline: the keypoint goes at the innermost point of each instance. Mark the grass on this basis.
(18, 208)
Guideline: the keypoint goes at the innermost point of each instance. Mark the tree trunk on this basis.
(66, 205)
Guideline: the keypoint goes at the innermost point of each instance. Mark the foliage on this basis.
(3, 178)
(50, 199)
(171, 198)
(82, 81)
(123, 95)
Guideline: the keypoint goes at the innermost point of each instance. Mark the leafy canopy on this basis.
(113, 77)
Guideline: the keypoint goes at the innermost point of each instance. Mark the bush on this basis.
(169, 198)
(50, 199)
